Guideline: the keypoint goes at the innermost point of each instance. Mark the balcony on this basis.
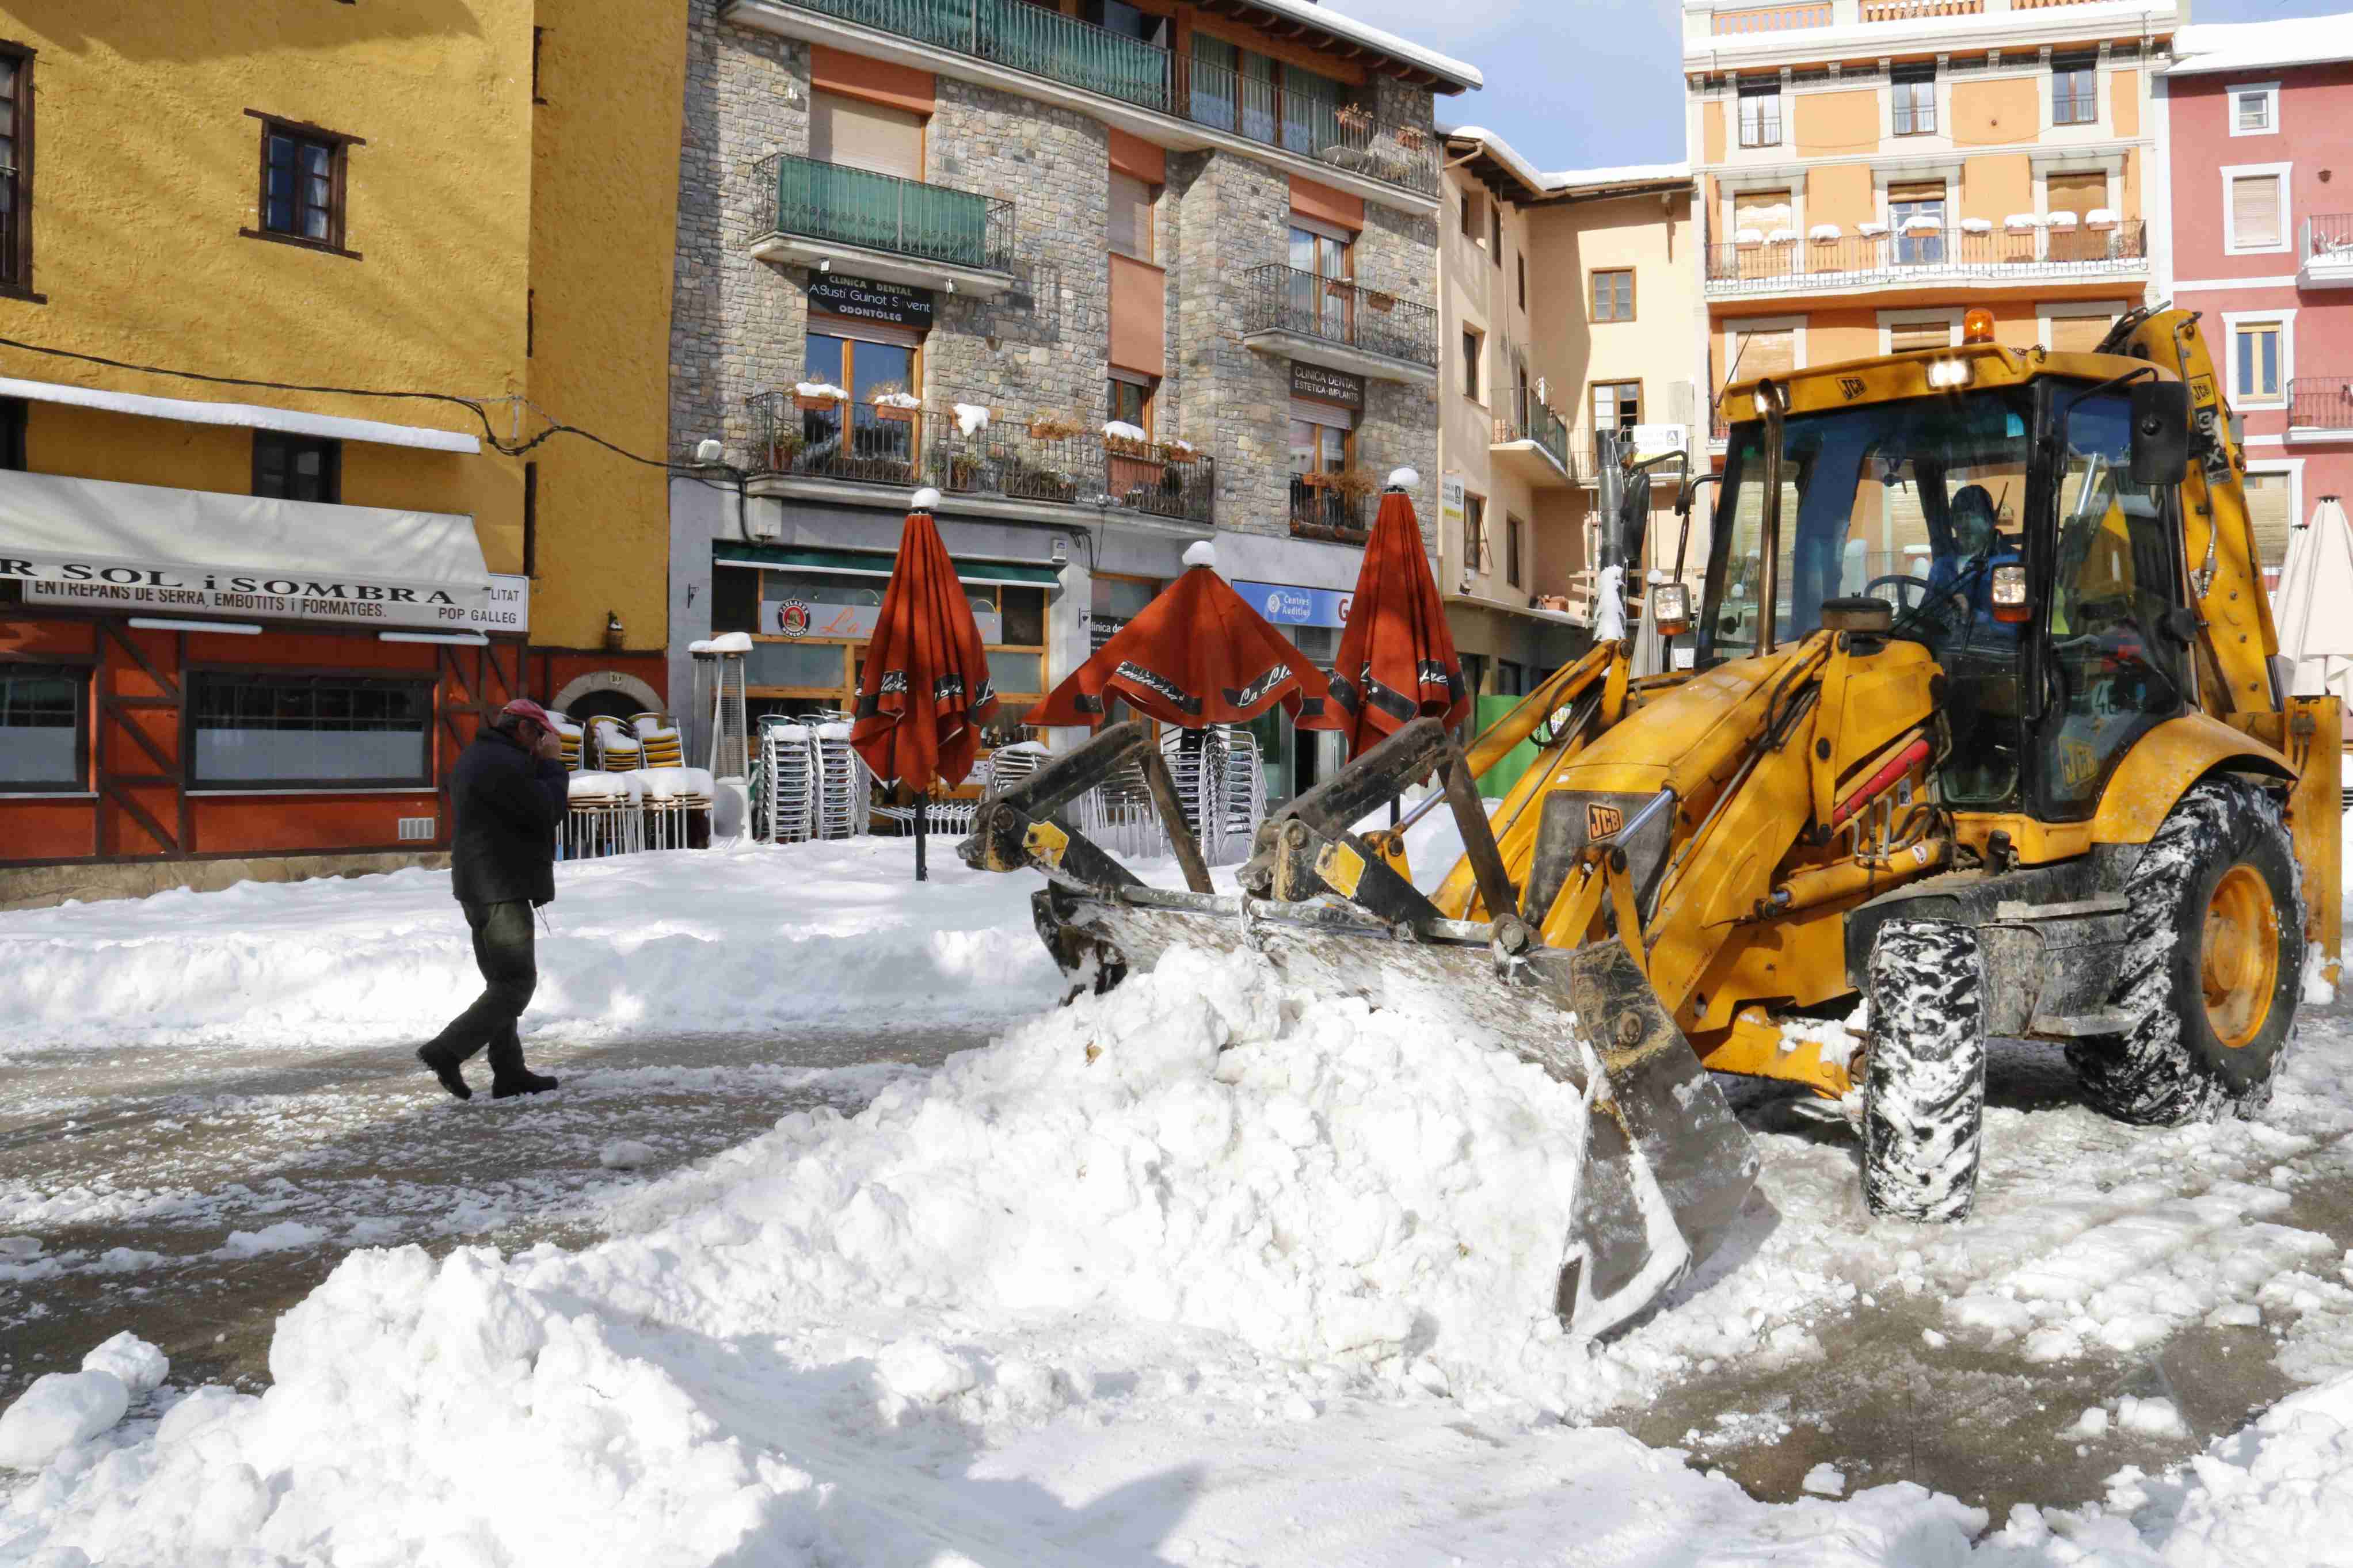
(881, 226)
(1323, 507)
(2320, 408)
(1533, 444)
(1052, 465)
(2325, 260)
(1333, 322)
(1864, 263)
(1215, 103)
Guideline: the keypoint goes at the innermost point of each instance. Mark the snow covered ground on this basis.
(1204, 1271)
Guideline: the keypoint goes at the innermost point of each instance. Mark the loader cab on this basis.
(1925, 502)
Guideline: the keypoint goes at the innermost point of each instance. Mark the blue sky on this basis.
(1580, 84)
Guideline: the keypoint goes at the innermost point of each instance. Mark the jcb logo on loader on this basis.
(1854, 386)
(1601, 821)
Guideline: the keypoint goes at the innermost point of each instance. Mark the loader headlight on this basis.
(1947, 374)
(2009, 594)
(1671, 609)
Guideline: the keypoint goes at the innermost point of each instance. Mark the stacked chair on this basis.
(659, 736)
(638, 796)
(618, 748)
(604, 818)
(783, 781)
(843, 782)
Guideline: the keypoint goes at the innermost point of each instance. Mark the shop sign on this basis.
(801, 619)
(1326, 386)
(1451, 492)
(508, 609)
(1652, 440)
(118, 585)
(1287, 604)
(893, 304)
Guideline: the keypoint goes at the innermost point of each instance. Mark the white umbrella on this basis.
(2314, 606)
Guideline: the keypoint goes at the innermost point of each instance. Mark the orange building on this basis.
(1870, 169)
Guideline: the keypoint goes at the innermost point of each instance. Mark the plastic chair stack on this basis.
(618, 751)
(572, 739)
(842, 790)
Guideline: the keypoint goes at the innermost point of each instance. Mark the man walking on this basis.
(509, 793)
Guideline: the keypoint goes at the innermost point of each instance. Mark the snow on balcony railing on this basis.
(2329, 238)
(1918, 254)
(1918, 10)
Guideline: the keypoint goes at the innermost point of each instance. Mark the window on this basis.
(1613, 295)
(1130, 404)
(2083, 194)
(1323, 443)
(1471, 383)
(2256, 361)
(1470, 215)
(44, 729)
(531, 520)
(297, 468)
(1902, 337)
(1522, 261)
(1474, 533)
(304, 183)
(2079, 333)
(2254, 108)
(1113, 601)
(1915, 100)
(279, 731)
(860, 136)
(1757, 215)
(1915, 213)
(1496, 231)
(1760, 112)
(1762, 352)
(2075, 90)
(1618, 405)
(1127, 21)
(1514, 544)
(1319, 257)
(861, 442)
(1131, 217)
(16, 170)
(2255, 217)
(2271, 497)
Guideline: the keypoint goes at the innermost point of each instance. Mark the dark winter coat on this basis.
(508, 804)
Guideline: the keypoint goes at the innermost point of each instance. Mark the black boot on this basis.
(509, 1077)
(445, 1067)
(524, 1081)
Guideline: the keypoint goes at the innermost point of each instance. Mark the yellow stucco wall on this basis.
(1710, 121)
(1834, 124)
(1840, 194)
(604, 221)
(1996, 185)
(148, 166)
(2006, 109)
(2124, 101)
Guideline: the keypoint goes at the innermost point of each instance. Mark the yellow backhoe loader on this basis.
(1985, 729)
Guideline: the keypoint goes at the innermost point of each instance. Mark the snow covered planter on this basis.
(1870, 230)
(1749, 237)
(1976, 225)
(1924, 1081)
(2212, 968)
(892, 402)
(817, 396)
(2023, 223)
(1781, 236)
(2060, 220)
(2101, 217)
(1923, 225)
(1823, 232)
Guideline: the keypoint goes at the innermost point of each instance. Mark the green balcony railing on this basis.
(884, 211)
(1042, 43)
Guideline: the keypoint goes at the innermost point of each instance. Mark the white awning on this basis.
(244, 416)
(150, 549)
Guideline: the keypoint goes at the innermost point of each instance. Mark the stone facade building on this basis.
(1123, 277)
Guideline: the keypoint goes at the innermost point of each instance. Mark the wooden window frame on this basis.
(1148, 385)
(196, 674)
(83, 672)
(1514, 551)
(1768, 118)
(1474, 532)
(1631, 286)
(1151, 226)
(340, 144)
(16, 279)
(331, 471)
(1642, 401)
(1903, 103)
(2067, 67)
(1474, 356)
(2238, 331)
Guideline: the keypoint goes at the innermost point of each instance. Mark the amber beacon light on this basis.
(1976, 325)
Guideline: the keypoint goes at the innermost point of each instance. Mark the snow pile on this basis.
(142, 1367)
(60, 1410)
(970, 416)
(1121, 430)
(818, 389)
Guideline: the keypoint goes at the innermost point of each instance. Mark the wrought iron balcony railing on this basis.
(1287, 300)
(1924, 256)
(1321, 508)
(882, 212)
(872, 445)
(1532, 421)
(2320, 403)
(1040, 42)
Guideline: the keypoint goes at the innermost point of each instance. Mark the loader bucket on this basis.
(1667, 1166)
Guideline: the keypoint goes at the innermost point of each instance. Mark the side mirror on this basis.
(2160, 432)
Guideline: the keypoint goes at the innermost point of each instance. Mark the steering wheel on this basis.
(1902, 583)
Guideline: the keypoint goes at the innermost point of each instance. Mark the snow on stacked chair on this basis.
(570, 739)
(842, 782)
(663, 743)
(673, 797)
(603, 818)
(618, 751)
(784, 788)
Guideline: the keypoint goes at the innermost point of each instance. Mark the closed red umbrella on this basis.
(1396, 660)
(925, 693)
(1197, 656)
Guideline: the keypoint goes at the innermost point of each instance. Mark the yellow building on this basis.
(1871, 168)
(245, 622)
(1568, 304)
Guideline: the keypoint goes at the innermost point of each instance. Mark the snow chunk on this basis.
(2090, 1425)
(20, 1247)
(59, 1410)
(626, 1154)
(1201, 553)
(1824, 231)
(2101, 217)
(818, 389)
(1609, 604)
(2317, 991)
(2061, 219)
(287, 1233)
(1825, 1480)
(1403, 478)
(2235, 1315)
(969, 417)
(730, 642)
(1748, 236)
(140, 1365)
(1121, 430)
(2151, 1417)
(897, 400)
(920, 1372)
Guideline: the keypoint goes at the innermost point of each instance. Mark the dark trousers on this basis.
(503, 952)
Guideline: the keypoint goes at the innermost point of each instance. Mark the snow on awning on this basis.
(865, 564)
(101, 546)
(246, 416)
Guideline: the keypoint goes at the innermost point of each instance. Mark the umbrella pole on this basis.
(919, 835)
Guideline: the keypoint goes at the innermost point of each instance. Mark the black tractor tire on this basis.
(1924, 1078)
(2174, 1064)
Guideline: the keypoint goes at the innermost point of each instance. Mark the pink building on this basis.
(2255, 124)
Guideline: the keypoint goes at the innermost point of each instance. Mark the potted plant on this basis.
(891, 400)
(1045, 427)
(785, 444)
(1355, 484)
(815, 394)
(964, 472)
(1380, 301)
(1124, 440)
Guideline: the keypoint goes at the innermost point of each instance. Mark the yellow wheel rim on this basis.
(2241, 963)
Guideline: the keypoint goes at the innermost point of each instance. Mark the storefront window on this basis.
(289, 731)
(44, 728)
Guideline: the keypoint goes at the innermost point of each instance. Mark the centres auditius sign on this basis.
(131, 586)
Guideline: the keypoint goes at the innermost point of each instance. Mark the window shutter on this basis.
(2078, 334)
(2079, 193)
(1906, 335)
(866, 136)
(1131, 217)
(2254, 209)
(1765, 210)
(2267, 509)
(1764, 353)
